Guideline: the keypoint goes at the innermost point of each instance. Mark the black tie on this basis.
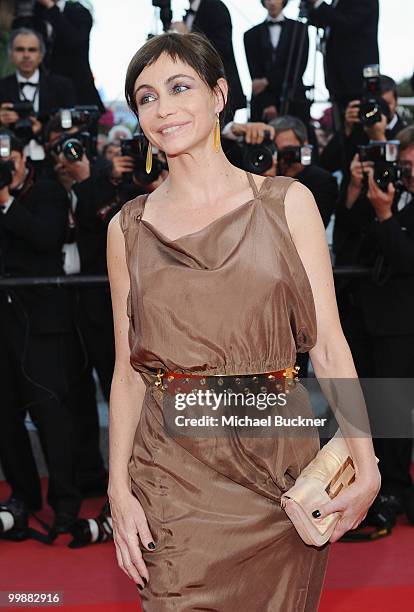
(273, 23)
(24, 83)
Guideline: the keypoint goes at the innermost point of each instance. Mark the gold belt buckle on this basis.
(158, 383)
(291, 373)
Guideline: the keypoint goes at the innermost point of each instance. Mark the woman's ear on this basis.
(221, 93)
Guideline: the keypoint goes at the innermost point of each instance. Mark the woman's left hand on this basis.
(353, 503)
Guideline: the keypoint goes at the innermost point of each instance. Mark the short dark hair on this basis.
(284, 3)
(193, 49)
(15, 143)
(406, 138)
(388, 84)
(288, 122)
(26, 32)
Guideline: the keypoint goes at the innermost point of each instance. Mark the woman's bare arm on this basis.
(332, 361)
(125, 404)
(331, 356)
(127, 389)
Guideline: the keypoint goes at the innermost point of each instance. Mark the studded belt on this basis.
(287, 375)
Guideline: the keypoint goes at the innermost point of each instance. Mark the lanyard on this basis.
(33, 101)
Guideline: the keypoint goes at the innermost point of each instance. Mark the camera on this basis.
(78, 115)
(6, 167)
(258, 158)
(92, 531)
(73, 146)
(134, 147)
(372, 105)
(23, 128)
(14, 520)
(295, 155)
(387, 169)
(255, 158)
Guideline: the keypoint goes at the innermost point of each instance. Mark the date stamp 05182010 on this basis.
(21, 599)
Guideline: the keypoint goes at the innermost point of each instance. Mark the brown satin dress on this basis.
(230, 298)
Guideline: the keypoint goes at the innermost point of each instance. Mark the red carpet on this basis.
(368, 577)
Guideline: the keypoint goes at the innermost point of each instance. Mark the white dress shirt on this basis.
(7, 205)
(195, 4)
(393, 122)
(404, 199)
(31, 94)
(275, 31)
(61, 5)
(71, 261)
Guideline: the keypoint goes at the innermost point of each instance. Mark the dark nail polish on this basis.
(151, 545)
(141, 588)
(145, 580)
(316, 513)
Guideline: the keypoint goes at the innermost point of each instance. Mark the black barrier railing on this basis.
(76, 280)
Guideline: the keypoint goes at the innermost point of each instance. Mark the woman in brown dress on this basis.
(216, 272)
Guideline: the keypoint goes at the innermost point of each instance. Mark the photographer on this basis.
(28, 96)
(350, 43)
(274, 49)
(71, 24)
(278, 148)
(290, 136)
(374, 227)
(96, 190)
(39, 347)
(212, 18)
(88, 192)
(358, 130)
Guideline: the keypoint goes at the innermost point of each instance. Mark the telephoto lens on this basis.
(14, 520)
(73, 149)
(92, 531)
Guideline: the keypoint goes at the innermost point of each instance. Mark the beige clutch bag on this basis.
(331, 470)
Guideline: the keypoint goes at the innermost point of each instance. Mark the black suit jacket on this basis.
(352, 43)
(70, 49)
(214, 21)
(54, 92)
(264, 61)
(392, 133)
(324, 188)
(32, 233)
(386, 298)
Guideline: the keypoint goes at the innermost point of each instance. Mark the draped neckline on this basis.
(228, 214)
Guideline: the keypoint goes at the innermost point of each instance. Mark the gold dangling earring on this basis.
(148, 163)
(217, 134)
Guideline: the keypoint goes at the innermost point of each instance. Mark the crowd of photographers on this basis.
(58, 193)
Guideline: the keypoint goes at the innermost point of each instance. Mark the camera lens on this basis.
(73, 150)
